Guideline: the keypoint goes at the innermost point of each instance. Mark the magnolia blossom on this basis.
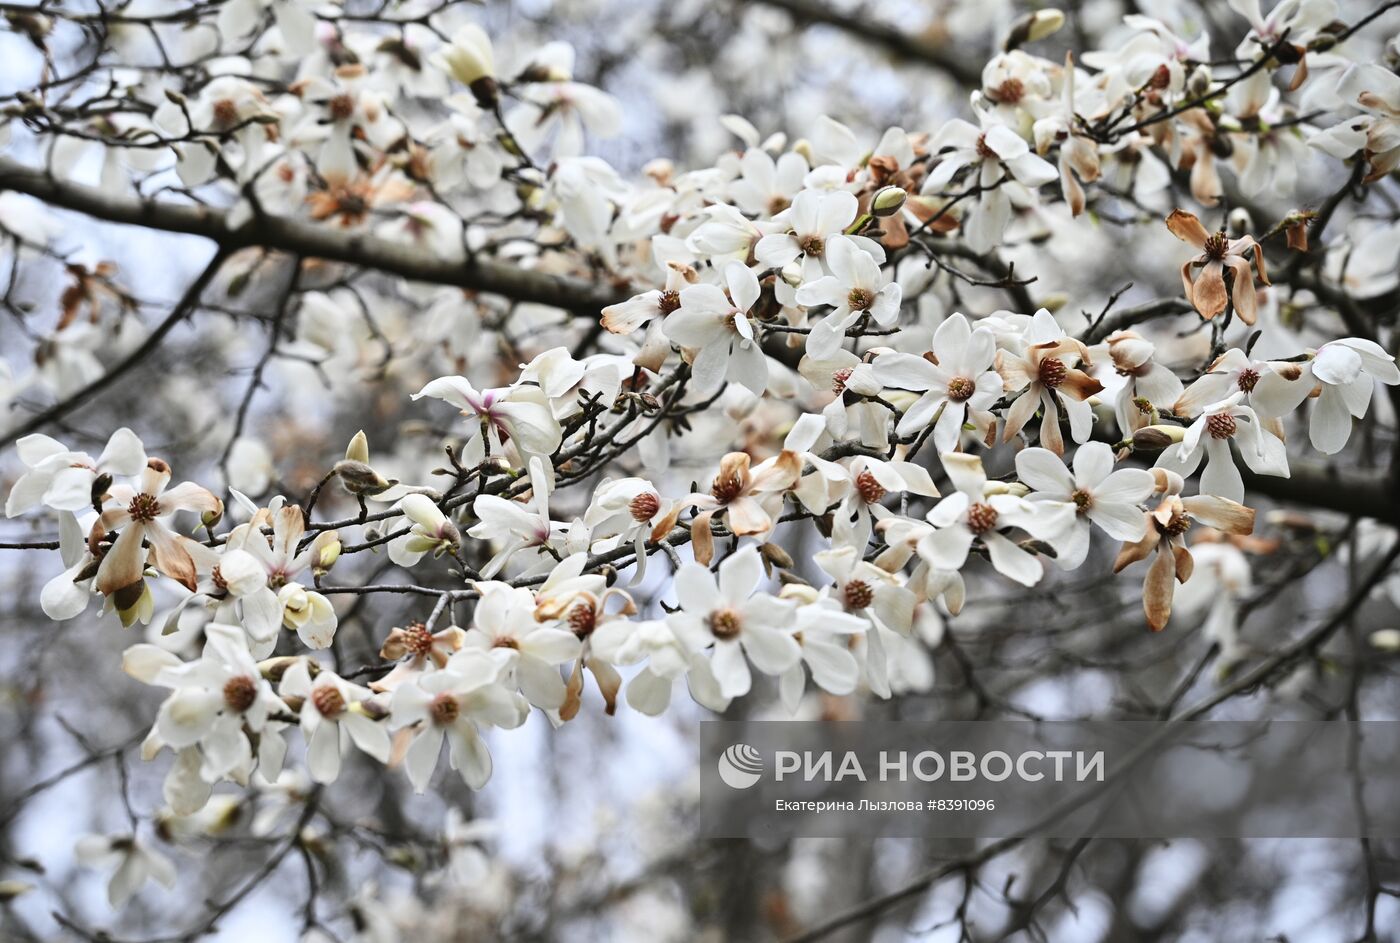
(1209, 438)
(140, 516)
(213, 701)
(504, 621)
(824, 634)
(815, 219)
(972, 513)
(748, 498)
(334, 714)
(1167, 525)
(65, 480)
(1139, 385)
(1099, 495)
(717, 325)
(512, 524)
(1046, 380)
(1218, 254)
(450, 704)
(431, 532)
(740, 625)
(1345, 371)
(134, 861)
(956, 381)
(996, 153)
(1375, 135)
(518, 414)
(280, 598)
(856, 288)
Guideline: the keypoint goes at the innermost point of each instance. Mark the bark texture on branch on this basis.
(310, 241)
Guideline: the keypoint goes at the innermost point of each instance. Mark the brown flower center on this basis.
(1216, 245)
(981, 518)
(1221, 425)
(1178, 525)
(143, 508)
(858, 594)
(727, 487)
(644, 506)
(960, 389)
(1083, 500)
(1008, 92)
(328, 700)
(838, 380)
(1053, 372)
(444, 709)
(417, 640)
(860, 300)
(1248, 378)
(341, 107)
(239, 693)
(225, 113)
(777, 204)
(812, 245)
(669, 301)
(869, 489)
(583, 620)
(983, 151)
(725, 624)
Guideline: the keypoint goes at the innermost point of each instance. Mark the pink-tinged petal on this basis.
(188, 496)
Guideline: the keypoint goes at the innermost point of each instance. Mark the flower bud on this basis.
(1240, 221)
(211, 518)
(359, 478)
(1157, 437)
(776, 555)
(888, 201)
(1034, 27)
(326, 557)
(468, 58)
(358, 449)
(1386, 640)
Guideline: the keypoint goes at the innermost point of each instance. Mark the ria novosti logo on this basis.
(740, 766)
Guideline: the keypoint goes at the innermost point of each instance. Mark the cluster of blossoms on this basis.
(781, 283)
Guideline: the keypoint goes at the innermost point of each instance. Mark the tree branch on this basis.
(311, 241)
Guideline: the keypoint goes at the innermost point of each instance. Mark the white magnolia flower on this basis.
(431, 532)
(281, 599)
(67, 595)
(450, 704)
(1209, 437)
(768, 187)
(505, 619)
(333, 716)
(970, 513)
(813, 219)
(1345, 371)
(63, 480)
(213, 700)
(824, 635)
(516, 414)
(135, 863)
(624, 642)
(1137, 383)
(513, 525)
(996, 152)
(1098, 494)
(961, 385)
(856, 288)
(141, 516)
(716, 324)
(733, 619)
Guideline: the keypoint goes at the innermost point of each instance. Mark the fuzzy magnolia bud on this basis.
(888, 201)
(1034, 27)
(359, 478)
(1240, 221)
